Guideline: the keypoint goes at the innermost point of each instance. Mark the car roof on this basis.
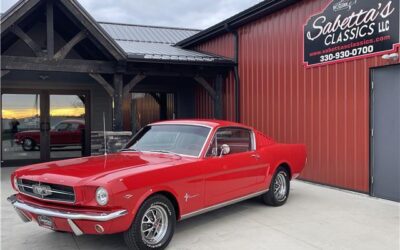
(73, 121)
(202, 122)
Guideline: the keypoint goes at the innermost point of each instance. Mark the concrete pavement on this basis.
(314, 217)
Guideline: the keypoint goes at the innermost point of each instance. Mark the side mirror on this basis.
(225, 149)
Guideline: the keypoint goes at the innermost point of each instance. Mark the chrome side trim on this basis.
(74, 227)
(103, 216)
(253, 141)
(223, 204)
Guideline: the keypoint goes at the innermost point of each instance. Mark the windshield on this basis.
(176, 139)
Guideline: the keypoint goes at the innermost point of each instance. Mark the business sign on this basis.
(349, 29)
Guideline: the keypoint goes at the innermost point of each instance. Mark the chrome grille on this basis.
(46, 191)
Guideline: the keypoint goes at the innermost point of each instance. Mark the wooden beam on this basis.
(50, 28)
(154, 69)
(135, 80)
(118, 119)
(218, 102)
(14, 17)
(91, 25)
(37, 50)
(104, 83)
(65, 65)
(203, 82)
(4, 72)
(163, 106)
(63, 52)
(127, 112)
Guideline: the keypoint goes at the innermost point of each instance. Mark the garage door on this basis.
(385, 136)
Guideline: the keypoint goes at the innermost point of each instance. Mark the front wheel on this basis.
(153, 226)
(278, 192)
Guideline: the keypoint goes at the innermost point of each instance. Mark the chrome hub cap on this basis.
(154, 225)
(280, 187)
(28, 142)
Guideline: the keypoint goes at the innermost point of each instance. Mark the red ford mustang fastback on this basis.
(169, 171)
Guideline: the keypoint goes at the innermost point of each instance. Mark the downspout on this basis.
(235, 70)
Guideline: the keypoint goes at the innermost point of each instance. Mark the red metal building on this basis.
(327, 107)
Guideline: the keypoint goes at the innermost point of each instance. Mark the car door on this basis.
(59, 135)
(235, 174)
(74, 134)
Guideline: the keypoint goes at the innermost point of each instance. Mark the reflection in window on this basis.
(20, 135)
(179, 139)
(67, 118)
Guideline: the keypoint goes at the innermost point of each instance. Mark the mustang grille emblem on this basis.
(42, 190)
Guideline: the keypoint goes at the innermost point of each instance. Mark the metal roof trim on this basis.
(143, 58)
(12, 9)
(149, 26)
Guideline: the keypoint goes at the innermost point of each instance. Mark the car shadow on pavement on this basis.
(187, 227)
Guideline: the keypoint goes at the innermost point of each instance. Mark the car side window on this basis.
(62, 127)
(238, 139)
(73, 127)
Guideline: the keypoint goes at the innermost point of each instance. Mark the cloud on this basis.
(179, 13)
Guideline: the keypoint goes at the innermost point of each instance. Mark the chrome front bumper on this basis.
(21, 206)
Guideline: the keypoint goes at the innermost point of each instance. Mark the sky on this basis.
(198, 14)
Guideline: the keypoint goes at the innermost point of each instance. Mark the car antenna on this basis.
(104, 134)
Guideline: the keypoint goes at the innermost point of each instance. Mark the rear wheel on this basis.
(153, 226)
(279, 189)
(28, 144)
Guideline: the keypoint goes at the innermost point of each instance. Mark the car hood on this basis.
(79, 171)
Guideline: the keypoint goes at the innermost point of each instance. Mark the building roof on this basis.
(23, 7)
(156, 43)
(146, 33)
(127, 41)
(261, 9)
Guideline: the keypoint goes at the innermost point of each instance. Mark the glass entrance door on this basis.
(67, 123)
(20, 128)
(43, 126)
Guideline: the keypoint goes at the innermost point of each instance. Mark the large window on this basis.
(238, 139)
(176, 139)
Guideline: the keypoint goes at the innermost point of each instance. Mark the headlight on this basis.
(16, 183)
(101, 196)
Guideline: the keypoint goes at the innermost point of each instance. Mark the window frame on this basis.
(204, 146)
(253, 144)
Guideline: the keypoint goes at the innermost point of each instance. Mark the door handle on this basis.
(256, 156)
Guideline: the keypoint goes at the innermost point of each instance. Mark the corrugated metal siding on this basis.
(326, 107)
(222, 46)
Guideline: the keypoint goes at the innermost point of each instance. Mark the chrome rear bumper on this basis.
(21, 206)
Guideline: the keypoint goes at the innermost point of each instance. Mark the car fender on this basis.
(148, 193)
(284, 162)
